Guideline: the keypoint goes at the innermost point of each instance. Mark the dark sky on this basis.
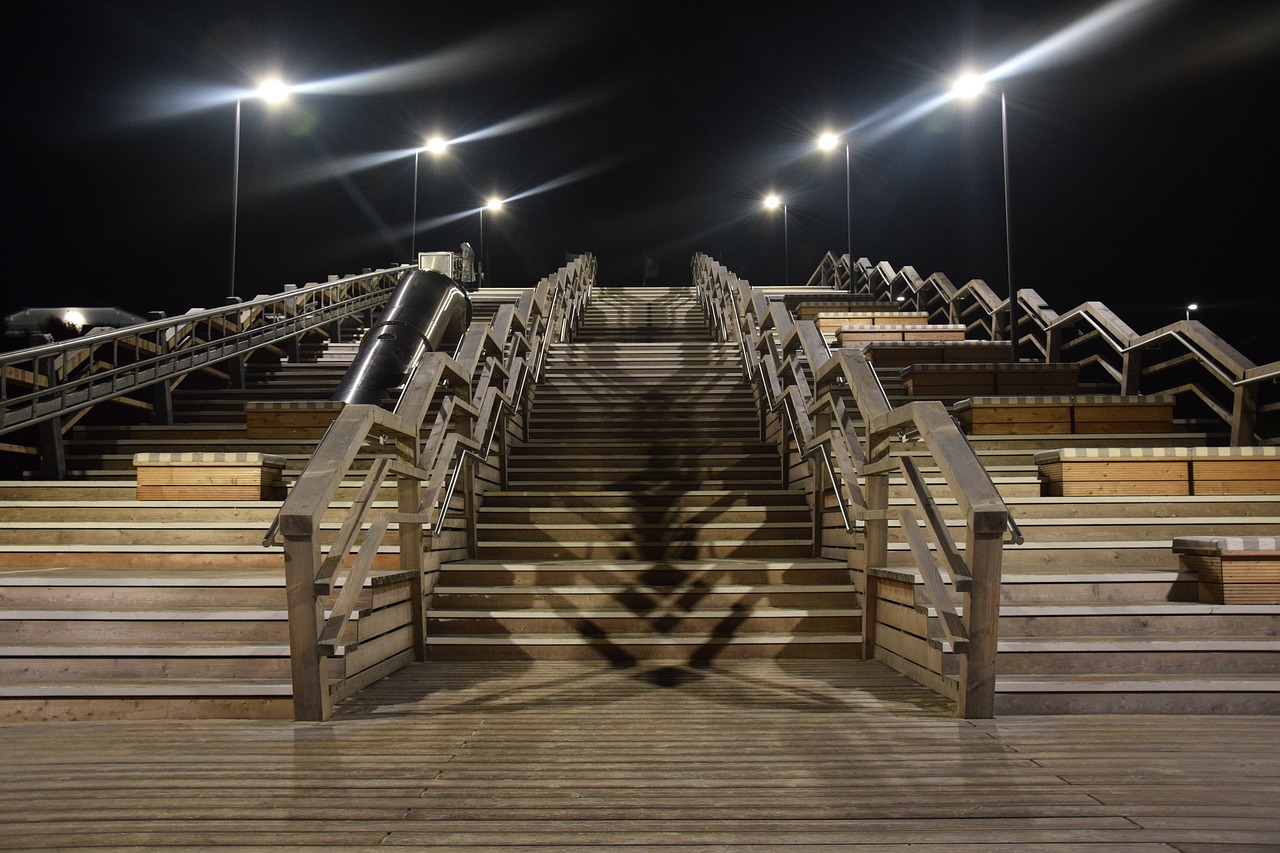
(1143, 156)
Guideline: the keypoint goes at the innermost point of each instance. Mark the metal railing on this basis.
(1185, 359)
(472, 393)
(63, 381)
(817, 393)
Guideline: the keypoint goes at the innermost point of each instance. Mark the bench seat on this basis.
(209, 476)
(1065, 414)
(1085, 471)
(1233, 569)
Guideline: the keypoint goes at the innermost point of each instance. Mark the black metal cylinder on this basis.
(427, 311)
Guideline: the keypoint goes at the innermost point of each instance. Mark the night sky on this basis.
(1143, 154)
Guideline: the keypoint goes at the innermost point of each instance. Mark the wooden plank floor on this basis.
(799, 756)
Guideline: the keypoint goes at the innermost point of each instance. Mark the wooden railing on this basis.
(1185, 358)
(813, 398)
(479, 397)
(55, 385)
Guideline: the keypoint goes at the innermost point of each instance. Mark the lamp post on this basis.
(968, 87)
(1192, 307)
(273, 91)
(828, 142)
(495, 204)
(434, 146)
(772, 202)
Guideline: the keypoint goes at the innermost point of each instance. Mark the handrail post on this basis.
(409, 503)
(310, 684)
(976, 698)
(875, 555)
(1244, 415)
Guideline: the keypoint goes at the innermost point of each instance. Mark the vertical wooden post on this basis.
(1131, 371)
(982, 616)
(875, 549)
(409, 500)
(1244, 415)
(310, 682)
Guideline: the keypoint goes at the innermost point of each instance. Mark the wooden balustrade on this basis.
(476, 394)
(807, 389)
(1196, 365)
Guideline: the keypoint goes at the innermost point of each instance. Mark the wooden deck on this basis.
(757, 755)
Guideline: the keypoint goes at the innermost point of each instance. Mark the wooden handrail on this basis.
(474, 392)
(799, 379)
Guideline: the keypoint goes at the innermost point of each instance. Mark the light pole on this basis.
(969, 86)
(772, 202)
(1192, 307)
(495, 204)
(273, 91)
(434, 146)
(827, 142)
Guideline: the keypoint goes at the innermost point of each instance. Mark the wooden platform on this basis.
(757, 756)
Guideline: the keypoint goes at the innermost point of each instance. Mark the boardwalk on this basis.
(550, 756)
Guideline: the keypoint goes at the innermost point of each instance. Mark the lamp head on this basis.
(968, 86)
(771, 201)
(436, 145)
(828, 141)
(494, 203)
(273, 90)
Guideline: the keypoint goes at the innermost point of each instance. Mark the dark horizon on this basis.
(1141, 171)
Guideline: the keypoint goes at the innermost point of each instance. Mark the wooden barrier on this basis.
(290, 419)
(1064, 415)
(906, 353)
(1084, 471)
(860, 335)
(209, 476)
(973, 380)
(1233, 569)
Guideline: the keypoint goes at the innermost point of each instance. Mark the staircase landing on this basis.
(748, 756)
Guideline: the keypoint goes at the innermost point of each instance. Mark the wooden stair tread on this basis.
(167, 686)
(640, 639)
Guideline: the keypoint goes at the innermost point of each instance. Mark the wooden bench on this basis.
(1233, 569)
(831, 322)
(292, 419)
(808, 307)
(905, 353)
(209, 476)
(974, 380)
(1084, 471)
(856, 336)
(1065, 415)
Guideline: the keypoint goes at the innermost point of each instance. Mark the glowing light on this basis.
(968, 86)
(494, 203)
(74, 318)
(436, 145)
(273, 91)
(772, 201)
(828, 141)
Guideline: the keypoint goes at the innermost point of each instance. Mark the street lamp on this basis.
(495, 204)
(968, 87)
(273, 91)
(772, 202)
(828, 142)
(434, 146)
(1192, 307)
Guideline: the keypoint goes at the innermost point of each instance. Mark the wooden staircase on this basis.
(1096, 614)
(644, 518)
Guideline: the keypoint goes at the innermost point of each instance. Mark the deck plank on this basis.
(742, 756)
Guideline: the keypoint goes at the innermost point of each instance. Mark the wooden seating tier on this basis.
(209, 476)
(1065, 414)
(1233, 569)
(956, 381)
(906, 353)
(1084, 471)
(289, 419)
